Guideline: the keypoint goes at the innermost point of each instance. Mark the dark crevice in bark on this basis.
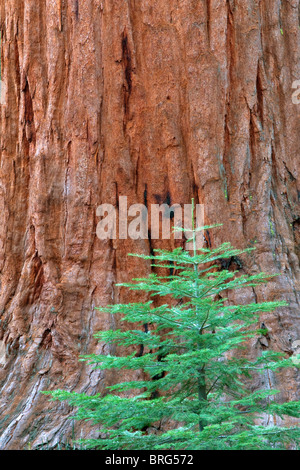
(296, 234)
(127, 64)
(29, 117)
(208, 14)
(259, 94)
(76, 9)
(226, 170)
(17, 68)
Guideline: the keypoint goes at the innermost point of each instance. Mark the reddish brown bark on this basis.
(158, 101)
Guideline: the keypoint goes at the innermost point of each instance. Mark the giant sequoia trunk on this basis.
(159, 101)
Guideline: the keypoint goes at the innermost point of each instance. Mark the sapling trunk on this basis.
(202, 395)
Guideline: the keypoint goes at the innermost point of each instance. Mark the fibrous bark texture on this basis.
(159, 101)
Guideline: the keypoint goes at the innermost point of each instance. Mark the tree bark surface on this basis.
(159, 101)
